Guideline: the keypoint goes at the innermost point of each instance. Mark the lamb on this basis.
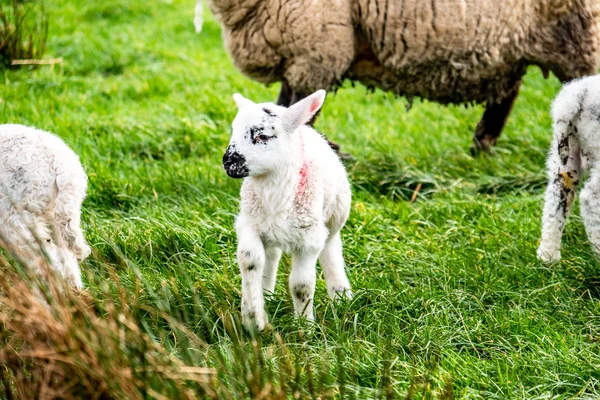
(449, 51)
(575, 148)
(42, 187)
(295, 197)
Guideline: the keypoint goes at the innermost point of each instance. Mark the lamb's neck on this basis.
(232, 12)
(279, 188)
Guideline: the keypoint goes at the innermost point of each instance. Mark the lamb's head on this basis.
(264, 136)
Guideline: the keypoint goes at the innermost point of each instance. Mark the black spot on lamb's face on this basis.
(269, 112)
(264, 132)
(235, 163)
(258, 135)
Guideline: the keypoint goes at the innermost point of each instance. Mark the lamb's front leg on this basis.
(251, 261)
(303, 280)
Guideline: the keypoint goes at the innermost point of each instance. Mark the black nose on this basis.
(234, 164)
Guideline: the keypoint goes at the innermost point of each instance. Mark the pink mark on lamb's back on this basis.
(303, 174)
(303, 178)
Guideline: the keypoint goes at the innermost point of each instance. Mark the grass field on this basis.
(450, 300)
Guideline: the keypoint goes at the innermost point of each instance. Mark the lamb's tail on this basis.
(198, 18)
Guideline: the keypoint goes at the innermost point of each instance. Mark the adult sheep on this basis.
(448, 51)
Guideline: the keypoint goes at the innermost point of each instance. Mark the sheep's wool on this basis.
(42, 186)
(575, 147)
(450, 51)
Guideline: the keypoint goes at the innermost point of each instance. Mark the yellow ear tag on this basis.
(568, 183)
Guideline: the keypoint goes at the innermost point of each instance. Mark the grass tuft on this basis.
(23, 31)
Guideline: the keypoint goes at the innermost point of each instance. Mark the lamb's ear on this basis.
(302, 112)
(241, 101)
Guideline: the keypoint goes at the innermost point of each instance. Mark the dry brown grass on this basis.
(54, 344)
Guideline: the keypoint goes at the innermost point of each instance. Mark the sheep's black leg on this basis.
(491, 124)
(285, 95)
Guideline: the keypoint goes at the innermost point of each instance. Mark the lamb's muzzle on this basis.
(234, 163)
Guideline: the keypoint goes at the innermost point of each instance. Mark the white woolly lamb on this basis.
(42, 186)
(296, 198)
(575, 147)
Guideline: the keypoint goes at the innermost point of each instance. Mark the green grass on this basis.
(450, 299)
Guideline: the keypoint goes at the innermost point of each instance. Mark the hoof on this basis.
(484, 145)
(548, 256)
(342, 293)
(255, 322)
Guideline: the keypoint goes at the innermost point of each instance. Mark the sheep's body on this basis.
(295, 197)
(455, 51)
(42, 187)
(575, 148)
(450, 51)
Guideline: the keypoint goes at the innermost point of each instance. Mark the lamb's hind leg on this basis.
(67, 214)
(72, 232)
(590, 211)
(272, 256)
(493, 121)
(332, 262)
(564, 167)
(303, 280)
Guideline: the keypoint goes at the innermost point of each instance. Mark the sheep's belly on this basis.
(441, 81)
(287, 234)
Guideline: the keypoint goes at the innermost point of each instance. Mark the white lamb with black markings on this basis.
(575, 148)
(42, 187)
(295, 198)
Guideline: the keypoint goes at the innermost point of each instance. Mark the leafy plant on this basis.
(23, 31)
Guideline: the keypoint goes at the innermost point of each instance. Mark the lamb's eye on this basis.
(263, 138)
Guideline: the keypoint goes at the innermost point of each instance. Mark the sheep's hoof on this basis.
(548, 256)
(255, 321)
(483, 145)
(341, 293)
